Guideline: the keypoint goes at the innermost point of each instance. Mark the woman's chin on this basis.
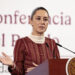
(41, 32)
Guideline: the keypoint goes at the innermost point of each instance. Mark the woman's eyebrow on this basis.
(45, 17)
(40, 16)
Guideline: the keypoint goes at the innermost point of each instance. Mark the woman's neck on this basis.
(37, 38)
(37, 34)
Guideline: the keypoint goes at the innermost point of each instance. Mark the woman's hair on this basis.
(35, 10)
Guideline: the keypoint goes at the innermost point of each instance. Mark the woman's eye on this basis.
(38, 18)
(45, 19)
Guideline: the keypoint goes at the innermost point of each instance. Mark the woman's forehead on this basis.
(41, 13)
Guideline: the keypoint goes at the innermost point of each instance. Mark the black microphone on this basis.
(53, 53)
(65, 48)
(48, 47)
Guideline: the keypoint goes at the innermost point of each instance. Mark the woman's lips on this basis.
(41, 27)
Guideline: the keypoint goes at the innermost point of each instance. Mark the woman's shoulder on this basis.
(49, 39)
(23, 38)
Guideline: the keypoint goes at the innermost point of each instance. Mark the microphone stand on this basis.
(65, 48)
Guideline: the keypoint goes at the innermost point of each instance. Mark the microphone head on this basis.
(47, 45)
(58, 44)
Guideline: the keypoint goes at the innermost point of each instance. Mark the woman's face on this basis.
(39, 22)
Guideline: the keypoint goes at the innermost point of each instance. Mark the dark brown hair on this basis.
(39, 8)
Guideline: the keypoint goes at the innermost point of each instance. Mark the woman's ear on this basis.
(30, 21)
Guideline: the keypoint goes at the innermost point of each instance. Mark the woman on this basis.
(34, 48)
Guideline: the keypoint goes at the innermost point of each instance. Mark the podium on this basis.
(50, 67)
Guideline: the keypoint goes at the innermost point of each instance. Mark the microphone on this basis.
(53, 53)
(48, 47)
(65, 48)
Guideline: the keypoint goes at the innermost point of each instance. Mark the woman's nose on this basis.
(42, 21)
